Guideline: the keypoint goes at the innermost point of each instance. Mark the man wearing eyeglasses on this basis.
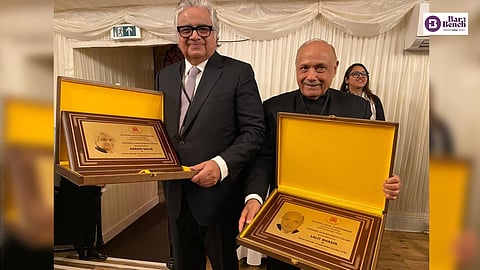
(316, 66)
(214, 118)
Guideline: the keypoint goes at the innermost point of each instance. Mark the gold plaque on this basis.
(107, 144)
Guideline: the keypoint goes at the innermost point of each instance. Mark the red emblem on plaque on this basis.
(135, 129)
(333, 220)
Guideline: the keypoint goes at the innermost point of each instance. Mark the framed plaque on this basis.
(107, 144)
(313, 234)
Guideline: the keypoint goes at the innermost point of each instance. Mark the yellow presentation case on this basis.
(449, 196)
(77, 96)
(27, 169)
(329, 209)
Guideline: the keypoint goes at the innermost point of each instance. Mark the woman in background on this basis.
(356, 81)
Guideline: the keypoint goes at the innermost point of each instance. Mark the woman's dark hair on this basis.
(366, 88)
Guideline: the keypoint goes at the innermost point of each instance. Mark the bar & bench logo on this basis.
(445, 23)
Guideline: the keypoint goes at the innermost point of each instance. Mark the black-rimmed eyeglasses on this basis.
(357, 74)
(202, 30)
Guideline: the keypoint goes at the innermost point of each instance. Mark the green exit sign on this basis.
(126, 31)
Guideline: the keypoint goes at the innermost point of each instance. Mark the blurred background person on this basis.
(356, 81)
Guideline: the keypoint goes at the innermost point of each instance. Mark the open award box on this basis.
(108, 134)
(329, 209)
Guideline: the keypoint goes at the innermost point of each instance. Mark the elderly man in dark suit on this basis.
(216, 130)
(316, 65)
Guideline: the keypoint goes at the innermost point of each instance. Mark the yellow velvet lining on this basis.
(341, 162)
(84, 96)
(28, 123)
(449, 181)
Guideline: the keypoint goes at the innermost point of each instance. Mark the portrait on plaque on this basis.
(290, 222)
(104, 143)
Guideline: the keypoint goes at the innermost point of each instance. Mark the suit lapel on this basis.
(212, 73)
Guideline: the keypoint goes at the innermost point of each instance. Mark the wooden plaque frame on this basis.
(328, 238)
(141, 144)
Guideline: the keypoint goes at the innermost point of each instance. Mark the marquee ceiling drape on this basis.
(254, 20)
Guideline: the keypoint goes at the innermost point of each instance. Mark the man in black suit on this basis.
(316, 65)
(221, 132)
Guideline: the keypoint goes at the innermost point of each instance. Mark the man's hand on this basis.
(248, 213)
(391, 187)
(208, 175)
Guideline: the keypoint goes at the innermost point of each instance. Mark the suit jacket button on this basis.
(182, 142)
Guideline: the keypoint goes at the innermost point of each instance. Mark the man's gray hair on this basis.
(199, 3)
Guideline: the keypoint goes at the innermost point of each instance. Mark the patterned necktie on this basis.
(189, 89)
